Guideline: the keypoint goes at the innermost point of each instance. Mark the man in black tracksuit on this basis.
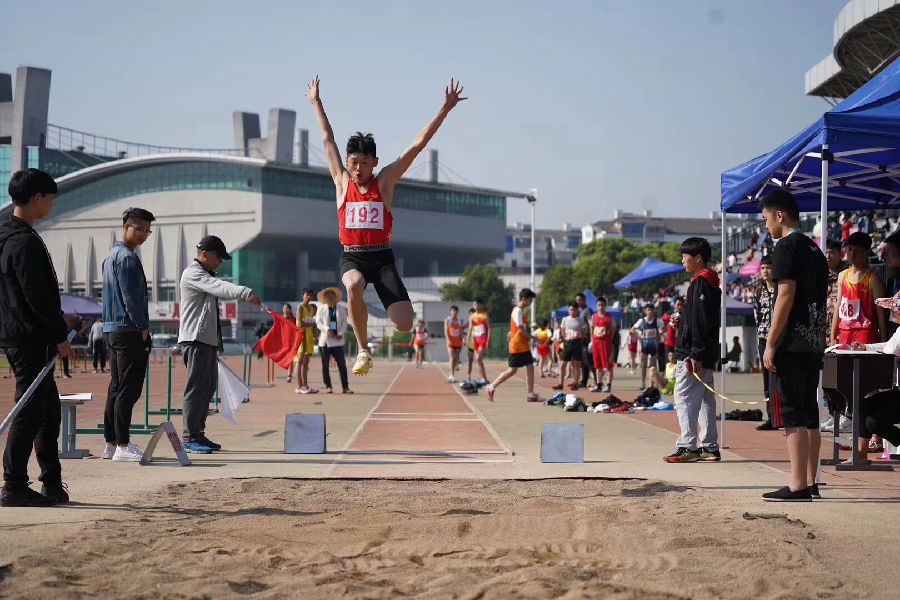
(32, 330)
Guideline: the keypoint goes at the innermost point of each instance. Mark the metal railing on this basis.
(107, 148)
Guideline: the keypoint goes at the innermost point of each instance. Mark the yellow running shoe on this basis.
(363, 364)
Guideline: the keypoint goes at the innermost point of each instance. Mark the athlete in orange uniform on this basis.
(519, 348)
(480, 335)
(453, 332)
(364, 211)
(420, 336)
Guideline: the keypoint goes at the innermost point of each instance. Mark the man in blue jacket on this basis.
(32, 330)
(126, 325)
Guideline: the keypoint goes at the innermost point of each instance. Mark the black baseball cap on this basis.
(214, 243)
(859, 239)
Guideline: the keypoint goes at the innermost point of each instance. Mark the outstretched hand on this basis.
(451, 93)
(312, 90)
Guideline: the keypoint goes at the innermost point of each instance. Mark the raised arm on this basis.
(392, 173)
(335, 165)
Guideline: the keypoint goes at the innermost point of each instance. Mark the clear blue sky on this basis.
(636, 104)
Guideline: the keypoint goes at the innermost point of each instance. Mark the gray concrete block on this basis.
(304, 434)
(562, 443)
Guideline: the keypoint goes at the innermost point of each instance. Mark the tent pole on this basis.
(722, 333)
(820, 394)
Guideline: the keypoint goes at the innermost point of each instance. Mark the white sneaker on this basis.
(845, 424)
(451, 379)
(828, 425)
(108, 451)
(129, 453)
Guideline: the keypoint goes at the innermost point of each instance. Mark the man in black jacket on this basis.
(32, 330)
(697, 353)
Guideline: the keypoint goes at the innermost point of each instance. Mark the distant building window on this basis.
(632, 228)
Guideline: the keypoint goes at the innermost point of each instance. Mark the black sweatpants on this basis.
(338, 353)
(202, 376)
(37, 424)
(880, 415)
(128, 356)
(99, 351)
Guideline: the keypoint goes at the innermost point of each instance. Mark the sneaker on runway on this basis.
(786, 495)
(451, 379)
(208, 442)
(482, 382)
(682, 455)
(108, 451)
(597, 388)
(828, 425)
(363, 363)
(608, 388)
(129, 453)
(57, 491)
(533, 398)
(24, 496)
(708, 455)
(196, 448)
(489, 390)
(814, 492)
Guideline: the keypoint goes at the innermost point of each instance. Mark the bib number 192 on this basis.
(364, 215)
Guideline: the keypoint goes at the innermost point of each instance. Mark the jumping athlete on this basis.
(364, 217)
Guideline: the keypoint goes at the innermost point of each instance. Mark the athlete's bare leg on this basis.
(359, 315)
(303, 369)
(401, 315)
(479, 358)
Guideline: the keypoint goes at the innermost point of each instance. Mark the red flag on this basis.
(281, 342)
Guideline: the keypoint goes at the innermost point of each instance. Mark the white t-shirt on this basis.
(572, 328)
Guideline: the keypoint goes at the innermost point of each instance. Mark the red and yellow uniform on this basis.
(420, 336)
(542, 336)
(479, 331)
(858, 321)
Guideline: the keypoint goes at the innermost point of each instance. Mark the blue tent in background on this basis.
(647, 270)
(85, 306)
(854, 148)
(591, 300)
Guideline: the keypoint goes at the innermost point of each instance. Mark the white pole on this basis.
(532, 200)
(722, 333)
(820, 395)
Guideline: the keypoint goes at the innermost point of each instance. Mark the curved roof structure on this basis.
(866, 40)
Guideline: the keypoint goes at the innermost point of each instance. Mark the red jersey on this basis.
(363, 219)
(668, 318)
(857, 308)
(602, 323)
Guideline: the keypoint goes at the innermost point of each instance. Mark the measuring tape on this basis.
(697, 377)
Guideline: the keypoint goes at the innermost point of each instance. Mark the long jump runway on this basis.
(421, 419)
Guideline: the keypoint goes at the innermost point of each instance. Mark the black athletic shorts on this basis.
(377, 268)
(798, 383)
(571, 350)
(520, 359)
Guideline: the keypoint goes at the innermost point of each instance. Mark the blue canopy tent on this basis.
(849, 159)
(591, 300)
(85, 306)
(649, 269)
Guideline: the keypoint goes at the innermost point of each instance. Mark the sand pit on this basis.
(572, 538)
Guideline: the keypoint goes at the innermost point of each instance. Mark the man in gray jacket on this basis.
(201, 337)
